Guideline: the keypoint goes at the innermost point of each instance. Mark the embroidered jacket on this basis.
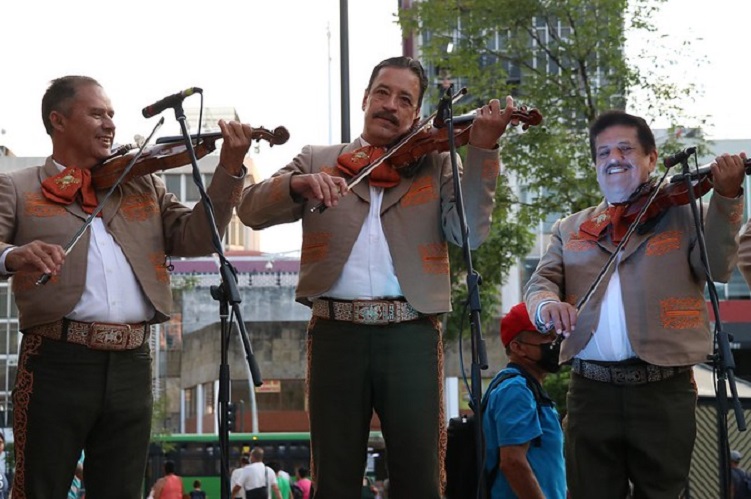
(418, 216)
(662, 280)
(146, 221)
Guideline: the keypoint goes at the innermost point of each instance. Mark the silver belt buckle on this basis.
(371, 313)
(108, 336)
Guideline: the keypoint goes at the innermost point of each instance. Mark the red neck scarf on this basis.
(383, 175)
(63, 188)
(594, 228)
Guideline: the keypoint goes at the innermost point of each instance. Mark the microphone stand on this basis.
(722, 358)
(228, 296)
(445, 115)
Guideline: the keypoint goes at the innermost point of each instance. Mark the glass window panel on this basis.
(173, 184)
(191, 190)
(190, 402)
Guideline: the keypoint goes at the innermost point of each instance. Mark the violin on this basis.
(674, 193)
(437, 139)
(167, 153)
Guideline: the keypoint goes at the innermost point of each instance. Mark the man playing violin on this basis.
(631, 400)
(84, 369)
(375, 270)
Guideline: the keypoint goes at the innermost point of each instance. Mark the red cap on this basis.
(515, 321)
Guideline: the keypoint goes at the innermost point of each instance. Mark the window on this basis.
(173, 183)
(208, 398)
(191, 408)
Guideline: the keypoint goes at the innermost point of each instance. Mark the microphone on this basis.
(169, 101)
(678, 157)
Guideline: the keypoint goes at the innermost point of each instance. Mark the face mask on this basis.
(549, 353)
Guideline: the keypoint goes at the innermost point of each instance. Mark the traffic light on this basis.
(231, 416)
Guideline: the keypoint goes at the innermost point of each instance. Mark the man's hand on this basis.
(319, 186)
(560, 316)
(727, 174)
(490, 123)
(36, 255)
(237, 138)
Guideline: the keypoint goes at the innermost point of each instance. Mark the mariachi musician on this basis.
(375, 270)
(631, 400)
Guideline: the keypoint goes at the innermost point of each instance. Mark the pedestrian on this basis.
(740, 481)
(170, 486)
(282, 479)
(197, 493)
(523, 434)
(236, 477)
(257, 480)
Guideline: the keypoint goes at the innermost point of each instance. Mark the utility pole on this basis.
(344, 49)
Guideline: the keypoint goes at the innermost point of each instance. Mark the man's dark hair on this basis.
(402, 62)
(616, 117)
(59, 96)
(197, 484)
(169, 467)
(302, 471)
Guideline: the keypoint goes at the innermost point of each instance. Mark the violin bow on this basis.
(356, 179)
(44, 278)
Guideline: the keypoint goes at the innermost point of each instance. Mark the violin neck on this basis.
(193, 137)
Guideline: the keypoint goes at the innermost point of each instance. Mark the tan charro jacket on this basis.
(418, 216)
(146, 221)
(662, 280)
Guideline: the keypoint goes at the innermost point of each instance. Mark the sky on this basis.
(275, 63)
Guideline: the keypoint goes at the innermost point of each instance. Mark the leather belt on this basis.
(624, 373)
(371, 312)
(95, 335)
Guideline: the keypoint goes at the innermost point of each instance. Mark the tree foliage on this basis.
(563, 57)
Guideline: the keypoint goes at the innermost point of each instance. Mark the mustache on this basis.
(618, 164)
(386, 116)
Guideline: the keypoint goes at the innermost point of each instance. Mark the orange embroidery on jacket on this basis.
(681, 313)
(331, 170)
(36, 205)
(158, 260)
(21, 398)
(138, 207)
(435, 258)
(315, 247)
(736, 214)
(577, 243)
(664, 243)
(571, 299)
(491, 168)
(420, 192)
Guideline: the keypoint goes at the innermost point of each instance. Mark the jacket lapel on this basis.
(50, 170)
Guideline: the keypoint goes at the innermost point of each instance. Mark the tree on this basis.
(564, 57)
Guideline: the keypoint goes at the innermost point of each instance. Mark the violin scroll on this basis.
(279, 136)
(529, 118)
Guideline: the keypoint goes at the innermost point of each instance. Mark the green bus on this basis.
(198, 456)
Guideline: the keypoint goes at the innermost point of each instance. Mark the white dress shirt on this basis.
(369, 270)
